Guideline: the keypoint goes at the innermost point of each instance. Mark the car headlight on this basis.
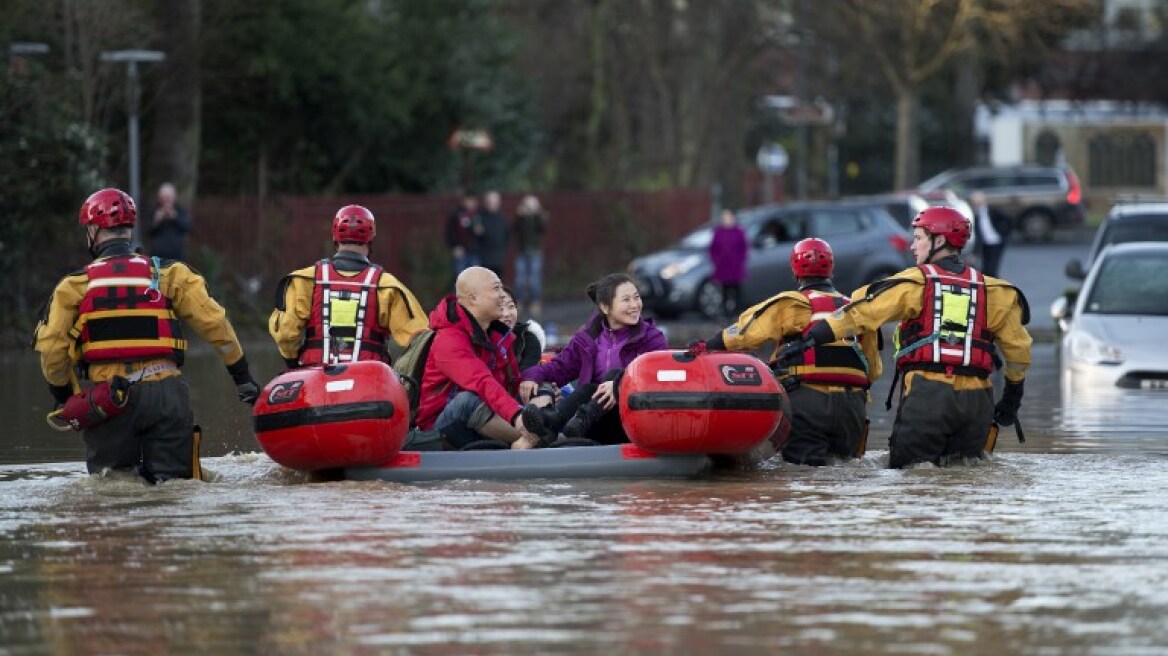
(1088, 348)
(680, 267)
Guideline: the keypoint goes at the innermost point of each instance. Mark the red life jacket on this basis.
(837, 363)
(123, 316)
(950, 335)
(343, 325)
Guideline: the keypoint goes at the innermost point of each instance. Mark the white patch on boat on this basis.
(671, 375)
(339, 385)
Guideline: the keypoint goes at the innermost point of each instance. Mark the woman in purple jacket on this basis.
(595, 358)
(728, 253)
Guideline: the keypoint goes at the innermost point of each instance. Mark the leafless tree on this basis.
(645, 92)
(911, 41)
(177, 104)
(90, 28)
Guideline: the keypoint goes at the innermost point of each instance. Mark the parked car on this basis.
(904, 206)
(1037, 198)
(1112, 334)
(868, 244)
(1126, 222)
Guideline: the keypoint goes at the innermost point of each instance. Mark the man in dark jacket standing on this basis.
(462, 233)
(471, 375)
(496, 234)
(169, 225)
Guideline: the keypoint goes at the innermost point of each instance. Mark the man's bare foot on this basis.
(526, 441)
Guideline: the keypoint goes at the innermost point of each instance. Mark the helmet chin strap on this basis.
(90, 236)
(935, 249)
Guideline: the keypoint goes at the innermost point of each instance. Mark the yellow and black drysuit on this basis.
(342, 309)
(827, 384)
(951, 318)
(119, 317)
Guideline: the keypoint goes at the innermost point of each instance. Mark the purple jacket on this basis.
(728, 253)
(576, 361)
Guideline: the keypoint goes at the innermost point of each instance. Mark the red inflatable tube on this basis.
(346, 415)
(714, 403)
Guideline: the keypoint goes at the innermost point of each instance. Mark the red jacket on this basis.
(465, 357)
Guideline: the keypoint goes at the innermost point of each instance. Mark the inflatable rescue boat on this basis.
(684, 414)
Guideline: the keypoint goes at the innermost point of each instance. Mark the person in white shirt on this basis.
(992, 229)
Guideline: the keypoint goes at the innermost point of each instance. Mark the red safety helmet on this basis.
(354, 224)
(946, 222)
(108, 208)
(812, 258)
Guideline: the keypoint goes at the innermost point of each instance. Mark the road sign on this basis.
(819, 112)
(772, 159)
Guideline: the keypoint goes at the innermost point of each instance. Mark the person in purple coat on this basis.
(728, 253)
(595, 358)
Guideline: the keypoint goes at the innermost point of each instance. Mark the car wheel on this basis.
(709, 300)
(1036, 226)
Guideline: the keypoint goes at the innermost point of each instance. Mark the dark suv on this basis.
(867, 242)
(1037, 198)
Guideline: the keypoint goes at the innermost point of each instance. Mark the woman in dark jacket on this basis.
(595, 358)
(529, 336)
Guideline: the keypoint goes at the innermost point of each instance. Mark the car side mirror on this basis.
(1074, 270)
(1058, 309)
(1063, 307)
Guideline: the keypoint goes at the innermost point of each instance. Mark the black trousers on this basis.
(154, 437)
(824, 424)
(934, 422)
(731, 292)
(606, 430)
(991, 258)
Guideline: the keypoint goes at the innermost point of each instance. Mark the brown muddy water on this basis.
(1055, 546)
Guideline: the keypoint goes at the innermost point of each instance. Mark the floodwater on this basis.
(1055, 546)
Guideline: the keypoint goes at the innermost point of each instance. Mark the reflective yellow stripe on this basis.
(804, 370)
(167, 342)
(119, 282)
(164, 313)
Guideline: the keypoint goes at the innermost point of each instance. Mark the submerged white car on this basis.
(1116, 334)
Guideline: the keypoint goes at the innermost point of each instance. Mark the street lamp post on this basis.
(133, 95)
(18, 53)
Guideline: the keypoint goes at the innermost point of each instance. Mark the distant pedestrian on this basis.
(495, 235)
(169, 225)
(728, 252)
(462, 233)
(992, 230)
(530, 225)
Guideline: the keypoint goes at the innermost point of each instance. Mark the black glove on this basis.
(247, 392)
(61, 393)
(792, 351)
(716, 343)
(245, 386)
(1006, 411)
